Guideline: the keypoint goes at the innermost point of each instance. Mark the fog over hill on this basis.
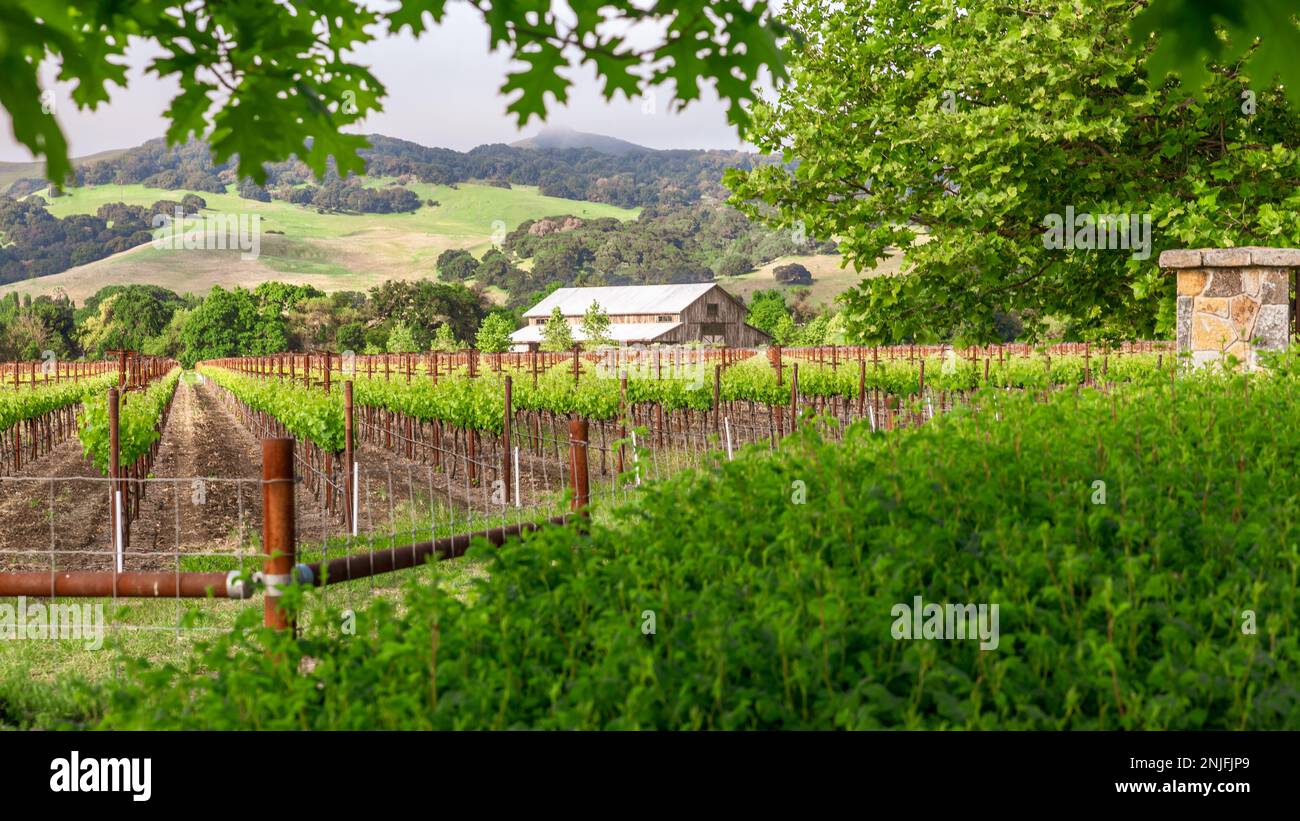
(562, 137)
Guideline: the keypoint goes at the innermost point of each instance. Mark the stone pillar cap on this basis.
(1248, 256)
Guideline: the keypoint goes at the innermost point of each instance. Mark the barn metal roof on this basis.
(623, 299)
(618, 331)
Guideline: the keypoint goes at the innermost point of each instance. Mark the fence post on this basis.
(278, 536)
(506, 474)
(578, 463)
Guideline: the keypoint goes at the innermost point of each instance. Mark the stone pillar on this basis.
(1232, 300)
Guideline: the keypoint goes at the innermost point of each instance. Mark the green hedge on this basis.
(776, 614)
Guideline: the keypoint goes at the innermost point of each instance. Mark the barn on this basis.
(649, 314)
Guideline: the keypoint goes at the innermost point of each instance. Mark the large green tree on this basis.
(125, 317)
(954, 131)
(265, 81)
(231, 323)
(423, 305)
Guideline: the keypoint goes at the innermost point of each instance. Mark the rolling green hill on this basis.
(330, 251)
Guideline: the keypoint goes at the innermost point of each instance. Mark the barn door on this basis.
(713, 333)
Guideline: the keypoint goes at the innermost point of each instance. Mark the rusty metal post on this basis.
(578, 462)
(278, 536)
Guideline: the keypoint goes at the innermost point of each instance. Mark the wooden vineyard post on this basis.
(578, 463)
(717, 399)
(794, 394)
(576, 371)
(506, 451)
(862, 386)
(278, 536)
(329, 363)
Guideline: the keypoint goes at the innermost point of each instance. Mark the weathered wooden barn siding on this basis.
(730, 316)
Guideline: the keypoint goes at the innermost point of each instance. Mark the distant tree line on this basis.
(408, 315)
(632, 179)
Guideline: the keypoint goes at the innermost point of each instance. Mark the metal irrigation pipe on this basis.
(158, 585)
(389, 559)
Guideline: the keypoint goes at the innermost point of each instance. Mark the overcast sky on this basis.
(442, 91)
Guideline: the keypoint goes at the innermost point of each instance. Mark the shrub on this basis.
(792, 274)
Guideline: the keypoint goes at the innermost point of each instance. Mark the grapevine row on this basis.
(476, 402)
(33, 420)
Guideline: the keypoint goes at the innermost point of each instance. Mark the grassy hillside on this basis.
(331, 251)
(829, 279)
